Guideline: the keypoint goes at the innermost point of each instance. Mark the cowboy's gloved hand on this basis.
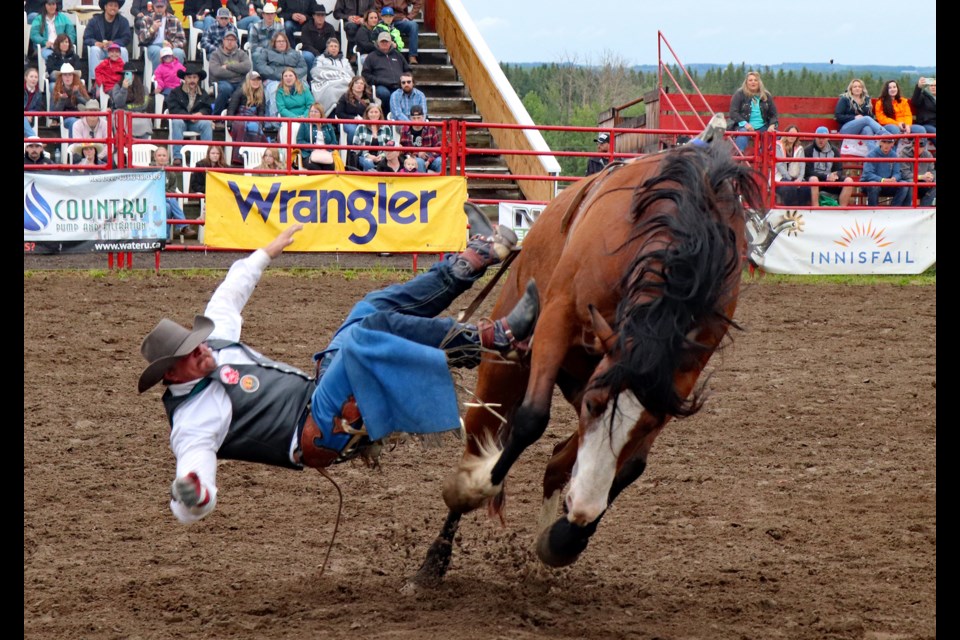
(187, 490)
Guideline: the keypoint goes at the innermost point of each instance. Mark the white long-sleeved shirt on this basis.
(200, 424)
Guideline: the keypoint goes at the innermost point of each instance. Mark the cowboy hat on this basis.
(103, 3)
(90, 105)
(192, 69)
(67, 68)
(77, 147)
(166, 344)
(269, 8)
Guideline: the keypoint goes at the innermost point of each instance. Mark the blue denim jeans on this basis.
(743, 141)
(409, 309)
(177, 127)
(914, 128)
(434, 165)
(174, 211)
(224, 91)
(865, 126)
(900, 195)
(411, 34)
(247, 21)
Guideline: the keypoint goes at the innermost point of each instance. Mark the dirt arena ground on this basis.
(800, 503)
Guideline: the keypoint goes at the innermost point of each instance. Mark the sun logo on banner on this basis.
(860, 231)
(797, 219)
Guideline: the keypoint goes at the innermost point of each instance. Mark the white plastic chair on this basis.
(252, 156)
(194, 39)
(142, 154)
(26, 36)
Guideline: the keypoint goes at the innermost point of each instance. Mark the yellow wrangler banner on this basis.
(339, 212)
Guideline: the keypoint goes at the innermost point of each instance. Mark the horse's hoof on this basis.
(561, 544)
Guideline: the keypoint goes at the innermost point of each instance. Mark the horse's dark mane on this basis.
(668, 290)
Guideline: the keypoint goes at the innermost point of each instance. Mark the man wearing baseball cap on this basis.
(33, 152)
(383, 69)
(597, 163)
(825, 168)
(213, 35)
(386, 371)
(229, 65)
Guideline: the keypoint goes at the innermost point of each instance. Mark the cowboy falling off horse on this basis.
(386, 371)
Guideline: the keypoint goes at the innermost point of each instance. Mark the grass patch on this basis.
(927, 278)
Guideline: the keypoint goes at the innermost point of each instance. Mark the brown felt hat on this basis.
(167, 343)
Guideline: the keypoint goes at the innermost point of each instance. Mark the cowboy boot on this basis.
(513, 332)
(488, 245)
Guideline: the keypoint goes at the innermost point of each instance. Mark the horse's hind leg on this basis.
(555, 478)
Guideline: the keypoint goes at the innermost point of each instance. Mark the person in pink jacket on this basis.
(165, 74)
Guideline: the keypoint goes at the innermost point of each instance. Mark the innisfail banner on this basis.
(105, 211)
(865, 241)
(346, 213)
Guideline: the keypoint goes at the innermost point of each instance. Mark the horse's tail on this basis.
(683, 277)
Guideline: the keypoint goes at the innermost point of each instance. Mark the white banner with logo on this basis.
(102, 211)
(519, 217)
(865, 241)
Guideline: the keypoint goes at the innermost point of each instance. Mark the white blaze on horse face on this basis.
(597, 456)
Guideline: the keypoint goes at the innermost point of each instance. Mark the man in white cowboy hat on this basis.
(597, 164)
(385, 371)
(105, 28)
(189, 99)
(90, 126)
(33, 152)
(262, 33)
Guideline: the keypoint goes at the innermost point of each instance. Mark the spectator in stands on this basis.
(110, 71)
(883, 172)
(390, 159)
(240, 9)
(47, 26)
(167, 75)
(752, 109)
(926, 171)
(68, 93)
(63, 52)
(893, 110)
(33, 98)
(331, 74)
(410, 164)
(296, 14)
(129, 95)
(854, 113)
(386, 24)
(213, 35)
(314, 133)
(596, 164)
(416, 134)
(924, 104)
(33, 152)
(189, 99)
(104, 28)
(366, 37)
(173, 183)
(351, 13)
(788, 146)
(371, 135)
(404, 98)
(204, 13)
(162, 29)
(383, 67)
(315, 35)
(229, 66)
(87, 154)
(825, 168)
(262, 33)
(272, 160)
(406, 13)
(90, 126)
(293, 99)
(248, 101)
(270, 63)
(213, 161)
(33, 8)
(352, 105)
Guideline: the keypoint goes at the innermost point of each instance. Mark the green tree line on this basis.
(571, 93)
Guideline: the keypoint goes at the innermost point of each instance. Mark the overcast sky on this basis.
(884, 32)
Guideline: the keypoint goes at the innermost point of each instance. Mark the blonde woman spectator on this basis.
(752, 109)
(371, 135)
(47, 26)
(854, 112)
(249, 100)
(293, 99)
(68, 93)
(314, 133)
(925, 104)
(788, 146)
(272, 161)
